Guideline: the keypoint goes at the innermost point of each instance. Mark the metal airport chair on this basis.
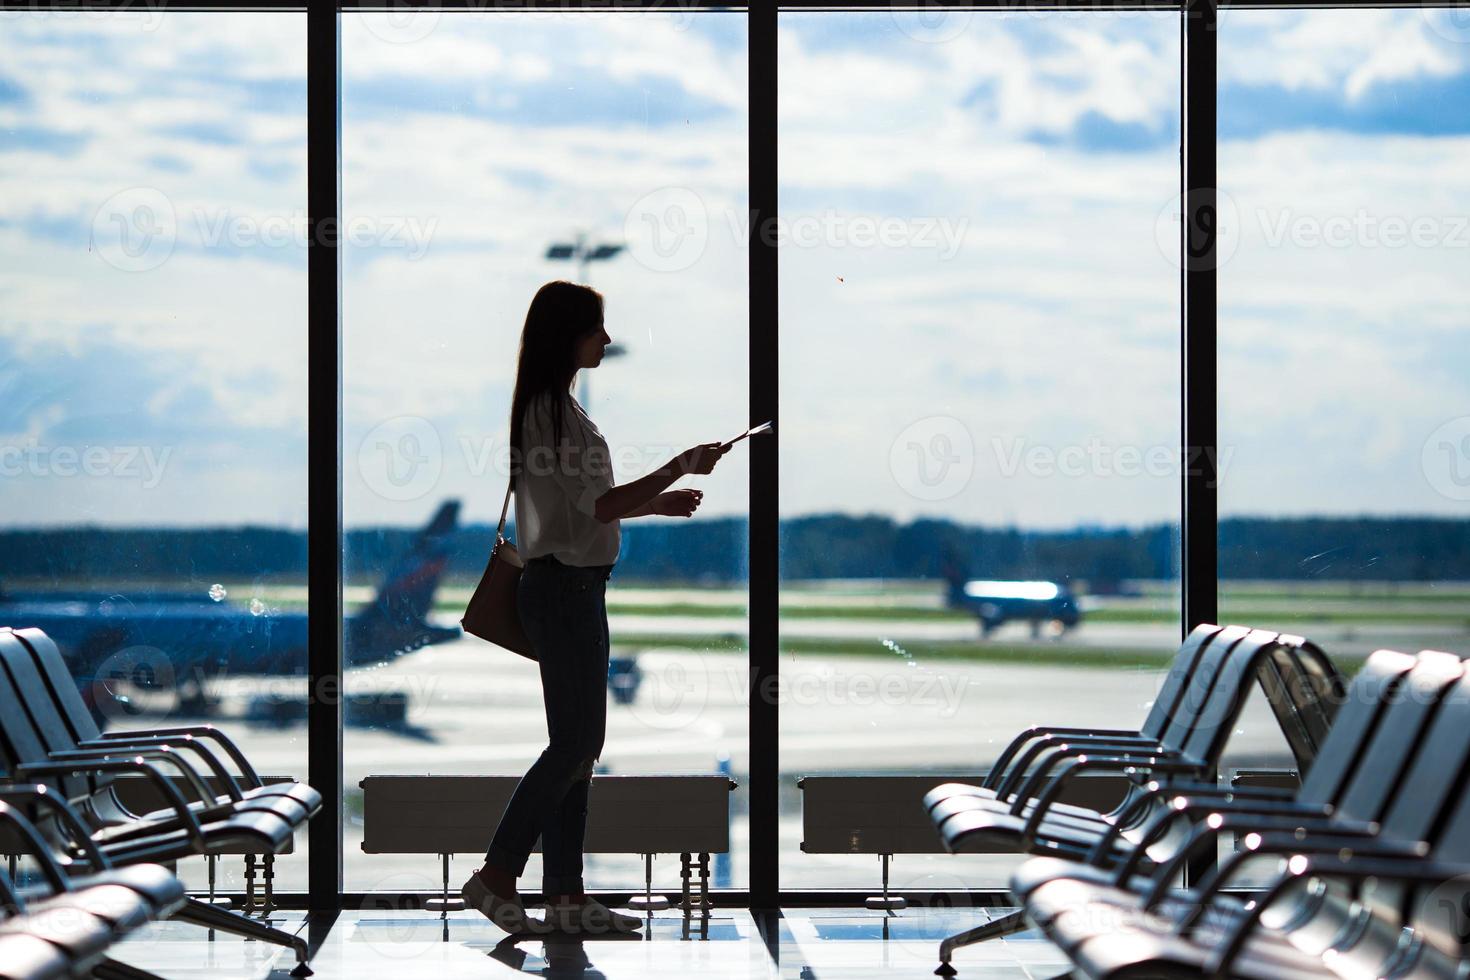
(1409, 796)
(83, 732)
(1022, 750)
(1190, 746)
(64, 925)
(1301, 684)
(1321, 792)
(84, 778)
(23, 687)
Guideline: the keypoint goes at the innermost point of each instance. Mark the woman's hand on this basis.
(677, 503)
(701, 459)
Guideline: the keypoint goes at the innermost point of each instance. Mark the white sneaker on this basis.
(589, 918)
(508, 915)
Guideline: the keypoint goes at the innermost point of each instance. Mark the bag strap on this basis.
(500, 531)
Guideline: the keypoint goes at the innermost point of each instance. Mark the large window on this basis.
(1345, 171)
(153, 368)
(980, 377)
(483, 155)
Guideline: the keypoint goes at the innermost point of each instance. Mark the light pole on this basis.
(584, 255)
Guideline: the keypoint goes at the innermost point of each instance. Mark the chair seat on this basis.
(162, 891)
(959, 796)
(25, 957)
(286, 807)
(80, 935)
(117, 905)
(1107, 932)
(300, 792)
(263, 830)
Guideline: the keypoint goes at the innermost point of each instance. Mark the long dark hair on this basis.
(561, 314)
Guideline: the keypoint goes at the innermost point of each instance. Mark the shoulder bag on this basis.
(492, 613)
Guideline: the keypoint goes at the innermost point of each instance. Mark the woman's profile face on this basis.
(590, 349)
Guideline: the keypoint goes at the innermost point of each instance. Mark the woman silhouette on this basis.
(567, 521)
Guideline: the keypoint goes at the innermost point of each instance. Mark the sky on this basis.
(978, 271)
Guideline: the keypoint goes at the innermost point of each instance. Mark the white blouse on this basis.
(556, 495)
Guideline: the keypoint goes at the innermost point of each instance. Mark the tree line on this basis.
(713, 552)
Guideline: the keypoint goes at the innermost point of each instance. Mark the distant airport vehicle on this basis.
(157, 651)
(995, 603)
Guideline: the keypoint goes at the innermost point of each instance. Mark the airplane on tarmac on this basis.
(128, 651)
(176, 642)
(993, 603)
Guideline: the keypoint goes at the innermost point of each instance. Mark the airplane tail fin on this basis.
(397, 619)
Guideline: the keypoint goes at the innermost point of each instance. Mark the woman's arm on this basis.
(634, 499)
(622, 501)
(642, 510)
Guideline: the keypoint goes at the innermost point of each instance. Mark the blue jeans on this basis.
(563, 609)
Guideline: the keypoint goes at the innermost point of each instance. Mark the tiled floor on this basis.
(801, 943)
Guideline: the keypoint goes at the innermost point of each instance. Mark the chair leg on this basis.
(1007, 924)
(111, 969)
(203, 914)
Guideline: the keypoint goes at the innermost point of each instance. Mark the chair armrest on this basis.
(162, 754)
(232, 788)
(1018, 770)
(1061, 779)
(1002, 763)
(1279, 844)
(1332, 834)
(135, 764)
(1353, 868)
(1124, 758)
(39, 795)
(1191, 805)
(1155, 791)
(38, 849)
(208, 732)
